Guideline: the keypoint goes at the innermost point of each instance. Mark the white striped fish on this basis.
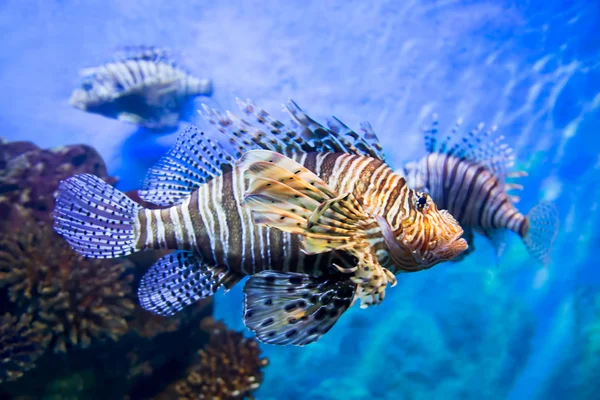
(316, 230)
(142, 86)
(466, 174)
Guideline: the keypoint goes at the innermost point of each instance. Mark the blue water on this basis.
(468, 330)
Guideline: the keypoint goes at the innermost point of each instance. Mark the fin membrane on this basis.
(95, 218)
(285, 195)
(179, 279)
(292, 308)
(543, 228)
(302, 136)
(194, 160)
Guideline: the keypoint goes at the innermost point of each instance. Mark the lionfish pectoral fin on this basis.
(155, 92)
(193, 161)
(130, 118)
(285, 195)
(179, 279)
(286, 308)
(498, 239)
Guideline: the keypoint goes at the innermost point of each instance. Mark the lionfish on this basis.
(140, 85)
(466, 174)
(314, 215)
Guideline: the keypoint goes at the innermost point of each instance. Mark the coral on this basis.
(148, 325)
(21, 343)
(229, 367)
(79, 298)
(29, 175)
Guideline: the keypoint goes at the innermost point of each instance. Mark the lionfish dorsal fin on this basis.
(244, 136)
(479, 145)
(259, 130)
(144, 53)
(337, 137)
(194, 160)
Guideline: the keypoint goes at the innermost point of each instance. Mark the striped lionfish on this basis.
(142, 86)
(466, 174)
(314, 215)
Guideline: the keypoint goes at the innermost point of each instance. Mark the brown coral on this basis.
(229, 367)
(29, 175)
(79, 298)
(21, 343)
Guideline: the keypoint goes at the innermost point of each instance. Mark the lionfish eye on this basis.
(422, 202)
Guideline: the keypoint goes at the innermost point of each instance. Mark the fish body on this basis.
(143, 86)
(467, 175)
(315, 230)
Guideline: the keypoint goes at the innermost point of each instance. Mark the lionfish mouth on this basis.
(457, 245)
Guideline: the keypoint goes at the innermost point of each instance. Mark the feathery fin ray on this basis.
(95, 218)
(193, 161)
(285, 195)
(179, 279)
(291, 308)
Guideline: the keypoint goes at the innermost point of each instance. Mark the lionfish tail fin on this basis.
(96, 219)
(542, 231)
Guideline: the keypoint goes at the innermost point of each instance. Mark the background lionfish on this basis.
(142, 86)
(466, 173)
(315, 215)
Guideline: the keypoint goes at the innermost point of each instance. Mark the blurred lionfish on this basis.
(466, 173)
(314, 215)
(142, 86)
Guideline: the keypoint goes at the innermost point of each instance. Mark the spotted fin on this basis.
(179, 279)
(337, 137)
(303, 134)
(290, 308)
(476, 145)
(96, 219)
(285, 195)
(193, 161)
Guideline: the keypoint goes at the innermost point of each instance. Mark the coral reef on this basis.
(29, 176)
(67, 302)
(79, 298)
(229, 367)
(21, 343)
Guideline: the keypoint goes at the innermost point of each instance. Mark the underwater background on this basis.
(480, 328)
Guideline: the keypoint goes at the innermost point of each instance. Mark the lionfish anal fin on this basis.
(179, 279)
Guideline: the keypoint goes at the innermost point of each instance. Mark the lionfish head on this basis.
(425, 237)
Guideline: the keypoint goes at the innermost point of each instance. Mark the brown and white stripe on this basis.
(213, 222)
(473, 194)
